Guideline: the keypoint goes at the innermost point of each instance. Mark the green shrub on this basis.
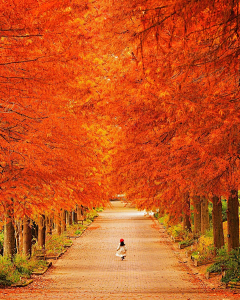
(185, 236)
(91, 215)
(215, 268)
(99, 209)
(55, 244)
(220, 261)
(78, 232)
(222, 256)
(232, 267)
(26, 266)
(72, 229)
(164, 220)
(22, 265)
(205, 250)
(186, 242)
(176, 230)
(8, 272)
(230, 262)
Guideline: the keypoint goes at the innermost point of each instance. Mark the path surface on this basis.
(90, 269)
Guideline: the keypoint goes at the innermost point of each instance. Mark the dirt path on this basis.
(90, 269)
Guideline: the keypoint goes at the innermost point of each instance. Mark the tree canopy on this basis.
(106, 97)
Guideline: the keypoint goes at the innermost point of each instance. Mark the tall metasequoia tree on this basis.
(233, 220)
(218, 236)
(50, 145)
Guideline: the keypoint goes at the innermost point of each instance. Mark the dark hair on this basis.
(122, 244)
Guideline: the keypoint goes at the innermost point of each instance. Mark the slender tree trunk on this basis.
(75, 217)
(70, 218)
(218, 236)
(205, 224)
(27, 237)
(9, 235)
(63, 221)
(41, 231)
(197, 214)
(67, 217)
(19, 237)
(79, 212)
(233, 221)
(48, 225)
(34, 229)
(58, 224)
(186, 213)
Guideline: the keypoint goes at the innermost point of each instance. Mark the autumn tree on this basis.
(50, 144)
(179, 109)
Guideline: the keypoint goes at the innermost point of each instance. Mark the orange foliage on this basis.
(179, 110)
(107, 97)
(51, 146)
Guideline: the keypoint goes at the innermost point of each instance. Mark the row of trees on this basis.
(176, 105)
(53, 145)
(19, 236)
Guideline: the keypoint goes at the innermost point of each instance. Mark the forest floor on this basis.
(154, 267)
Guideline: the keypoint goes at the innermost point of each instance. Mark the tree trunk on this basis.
(79, 212)
(233, 221)
(75, 217)
(41, 231)
(197, 214)
(70, 218)
(27, 237)
(63, 221)
(19, 237)
(58, 224)
(186, 213)
(9, 235)
(67, 217)
(205, 224)
(218, 236)
(48, 225)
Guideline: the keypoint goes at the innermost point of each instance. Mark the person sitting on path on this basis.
(121, 249)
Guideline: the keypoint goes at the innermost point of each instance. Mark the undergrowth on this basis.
(20, 268)
(228, 262)
(55, 244)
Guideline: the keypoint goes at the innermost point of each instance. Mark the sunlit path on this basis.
(90, 269)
